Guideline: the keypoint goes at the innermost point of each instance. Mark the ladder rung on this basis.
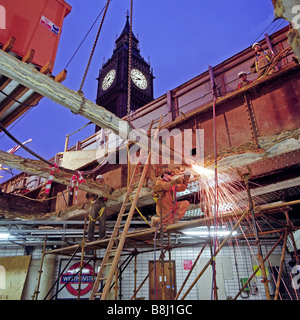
(121, 226)
(97, 294)
(102, 278)
(108, 264)
(138, 174)
(134, 184)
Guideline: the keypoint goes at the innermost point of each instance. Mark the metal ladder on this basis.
(116, 242)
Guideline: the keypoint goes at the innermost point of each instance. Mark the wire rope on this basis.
(94, 47)
(84, 38)
(23, 146)
(264, 30)
(21, 103)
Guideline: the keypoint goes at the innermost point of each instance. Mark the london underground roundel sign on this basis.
(86, 279)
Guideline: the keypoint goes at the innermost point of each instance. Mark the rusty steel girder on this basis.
(268, 166)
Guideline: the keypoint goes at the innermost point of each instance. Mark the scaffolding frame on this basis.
(283, 232)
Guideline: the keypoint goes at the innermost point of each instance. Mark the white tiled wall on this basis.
(11, 252)
(232, 283)
(243, 263)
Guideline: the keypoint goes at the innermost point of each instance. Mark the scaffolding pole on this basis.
(281, 265)
(71, 258)
(36, 292)
(169, 248)
(265, 280)
(146, 278)
(190, 272)
(259, 267)
(216, 253)
(291, 229)
(135, 270)
(81, 260)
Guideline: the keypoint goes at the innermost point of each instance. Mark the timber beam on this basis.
(12, 205)
(29, 77)
(37, 167)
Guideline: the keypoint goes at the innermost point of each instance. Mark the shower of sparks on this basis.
(231, 192)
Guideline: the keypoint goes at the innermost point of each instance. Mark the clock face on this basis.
(108, 79)
(139, 79)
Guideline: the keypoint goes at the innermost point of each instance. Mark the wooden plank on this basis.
(13, 97)
(19, 92)
(61, 76)
(4, 83)
(31, 101)
(9, 44)
(47, 67)
(15, 272)
(28, 56)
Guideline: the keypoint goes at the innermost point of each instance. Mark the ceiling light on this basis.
(204, 232)
(4, 236)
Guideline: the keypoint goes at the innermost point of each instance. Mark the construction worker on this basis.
(97, 212)
(261, 61)
(167, 205)
(244, 82)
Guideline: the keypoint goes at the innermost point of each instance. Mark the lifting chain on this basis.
(93, 50)
(129, 63)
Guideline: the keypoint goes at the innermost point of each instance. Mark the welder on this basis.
(167, 206)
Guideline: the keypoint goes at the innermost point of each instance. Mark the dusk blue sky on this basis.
(181, 37)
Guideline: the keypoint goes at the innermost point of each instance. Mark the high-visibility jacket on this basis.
(260, 62)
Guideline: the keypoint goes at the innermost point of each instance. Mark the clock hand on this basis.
(137, 78)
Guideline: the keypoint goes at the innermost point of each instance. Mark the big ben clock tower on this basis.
(113, 77)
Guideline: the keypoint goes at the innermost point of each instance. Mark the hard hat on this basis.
(100, 176)
(255, 44)
(242, 72)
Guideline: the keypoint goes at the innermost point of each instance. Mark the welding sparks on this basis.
(231, 195)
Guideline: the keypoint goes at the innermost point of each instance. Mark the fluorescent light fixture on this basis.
(4, 236)
(204, 232)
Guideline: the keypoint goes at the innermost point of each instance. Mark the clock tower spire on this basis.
(113, 77)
